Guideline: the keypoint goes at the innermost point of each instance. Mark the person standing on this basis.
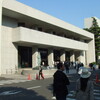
(81, 68)
(60, 83)
(79, 64)
(66, 64)
(84, 86)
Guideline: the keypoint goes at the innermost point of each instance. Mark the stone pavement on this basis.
(97, 77)
(96, 94)
(25, 77)
(22, 78)
(16, 78)
(12, 78)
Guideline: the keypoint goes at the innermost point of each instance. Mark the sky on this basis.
(70, 11)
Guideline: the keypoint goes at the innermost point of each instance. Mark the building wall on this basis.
(9, 51)
(31, 12)
(9, 22)
(88, 22)
(13, 36)
(98, 21)
(90, 53)
(0, 31)
(25, 35)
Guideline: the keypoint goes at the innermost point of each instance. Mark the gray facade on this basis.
(26, 32)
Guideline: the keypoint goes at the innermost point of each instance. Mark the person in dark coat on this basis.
(60, 82)
(41, 73)
(66, 64)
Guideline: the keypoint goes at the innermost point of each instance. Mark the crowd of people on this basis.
(73, 65)
(84, 85)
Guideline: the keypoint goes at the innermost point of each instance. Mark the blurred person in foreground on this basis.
(84, 86)
(60, 82)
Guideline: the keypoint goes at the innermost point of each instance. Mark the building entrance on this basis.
(24, 57)
(67, 56)
(56, 55)
(44, 56)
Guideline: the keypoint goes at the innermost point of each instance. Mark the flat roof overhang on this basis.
(31, 37)
(22, 18)
(21, 11)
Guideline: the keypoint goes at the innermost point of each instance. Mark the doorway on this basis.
(67, 56)
(56, 55)
(24, 57)
(44, 56)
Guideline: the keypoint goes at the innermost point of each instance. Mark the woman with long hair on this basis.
(84, 86)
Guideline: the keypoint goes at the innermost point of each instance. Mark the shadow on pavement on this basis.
(18, 93)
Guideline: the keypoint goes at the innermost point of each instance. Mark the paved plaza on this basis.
(19, 89)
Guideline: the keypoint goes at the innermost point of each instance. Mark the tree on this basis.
(95, 29)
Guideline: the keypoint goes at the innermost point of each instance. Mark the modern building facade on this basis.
(28, 35)
(88, 23)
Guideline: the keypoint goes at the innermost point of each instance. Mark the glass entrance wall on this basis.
(67, 56)
(56, 55)
(24, 57)
(44, 56)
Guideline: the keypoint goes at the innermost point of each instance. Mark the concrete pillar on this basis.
(34, 57)
(72, 56)
(90, 53)
(62, 55)
(82, 57)
(77, 54)
(51, 57)
(0, 31)
(16, 56)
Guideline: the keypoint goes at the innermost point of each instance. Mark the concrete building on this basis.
(88, 22)
(26, 35)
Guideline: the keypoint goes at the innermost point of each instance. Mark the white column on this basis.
(76, 55)
(50, 57)
(34, 57)
(90, 53)
(62, 55)
(82, 57)
(72, 56)
(0, 31)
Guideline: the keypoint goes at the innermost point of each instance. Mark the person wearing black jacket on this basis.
(60, 83)
(41, 73)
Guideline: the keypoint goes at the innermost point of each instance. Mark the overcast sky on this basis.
(71, 11)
